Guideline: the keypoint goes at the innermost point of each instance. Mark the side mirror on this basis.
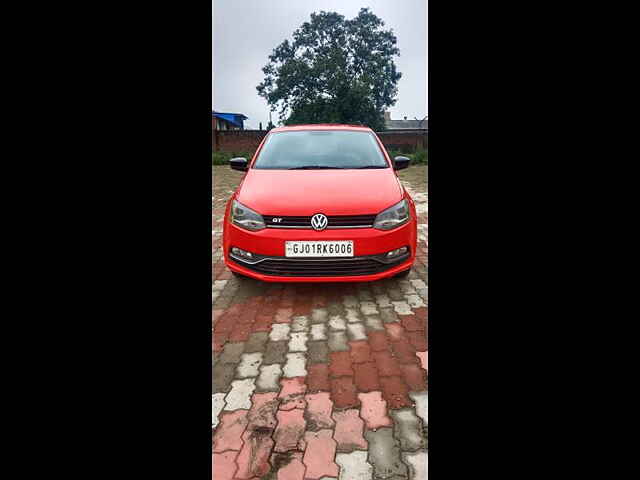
(401, 162)
(239, 163)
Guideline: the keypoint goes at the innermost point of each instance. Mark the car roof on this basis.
(321, 126)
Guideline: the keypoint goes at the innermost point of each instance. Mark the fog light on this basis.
(241, 253)
(397, 252)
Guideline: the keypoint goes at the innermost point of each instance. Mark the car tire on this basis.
(404, 274)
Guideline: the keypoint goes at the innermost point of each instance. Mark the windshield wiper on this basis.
(370, 166)
(314, 167)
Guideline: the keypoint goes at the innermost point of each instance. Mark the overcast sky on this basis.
(246, 31)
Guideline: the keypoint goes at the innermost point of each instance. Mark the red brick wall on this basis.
(247, 141)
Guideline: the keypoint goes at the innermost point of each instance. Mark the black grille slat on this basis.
(334, 221)
(313, 267)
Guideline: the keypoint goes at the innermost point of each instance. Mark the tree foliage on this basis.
(334, 70)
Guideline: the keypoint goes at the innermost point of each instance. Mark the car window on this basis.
(311, 149)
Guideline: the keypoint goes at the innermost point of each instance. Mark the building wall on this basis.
(248, 140)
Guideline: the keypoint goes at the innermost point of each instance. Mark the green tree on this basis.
(334, 70)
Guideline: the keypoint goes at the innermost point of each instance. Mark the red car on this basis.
(320, 203)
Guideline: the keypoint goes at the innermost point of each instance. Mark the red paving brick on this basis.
(290, 431)
(224, 466)
(294, 470)
(348, 431)
(395, 331)
(366, 377)
(262, 323)
(292, 393)
(415, 377)
(240, 333)
(413, 323)
(423, 359)
(419, 340)
(253, 459)
(319, 455)
(360, 352)
(378, 341)
(343, 393)
(404, 351)
(340, 364)
(395, 392)
(229, 431)
(386, 364)
(373, 410)
(318, 377)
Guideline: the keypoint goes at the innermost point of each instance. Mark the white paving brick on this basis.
(369, 308)
(417, 465)
(295, 366)
(352, 315)
(374, 322)
(219, 285)
(298, 342)
(418, 284)
(349, 301)
(217, 404)
(300, 324)
(319, 331)
(415, 301)
(279, 331)
(406, 287)
(421, 401)
(336, 322)
(402, 308)
(356, 331)
(240, 394)
(248, 366)
(354, 466)
(269, 377)
(319, 315)
(383, 301)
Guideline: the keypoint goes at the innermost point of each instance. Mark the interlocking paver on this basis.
(388, 315)
(292, 393)
(378, 341)
(354, 466)
(253, 459)
(295, 366)
(275, 353)
(386, 364)
(353, 315)
(373, 410)
(298, 341)
(421, 401)
(319, 455)
(290, 430)
(224, 465)
(269, 379)
(417, 463)
(422, 356)
(338, 341)
(369, 308)
(300, 324)
(292, 469)
(239, 397)
(249, 364)
(360, 352)
(256, 343)
(343, 393)
(384, 455)
(319, 331)
(366, 377)
(279, 331)
(228, 435)
(348, 431)
(223, 375)
(319, 315)
(340, 364)
(402, 308)
(356, 331)
(336, 322)
(373, 323)
(318, 377)
(408, 429)
(395, 392)
(415, 377)
(318, 352)
(231, 353)
(217, 404)
(318, 412)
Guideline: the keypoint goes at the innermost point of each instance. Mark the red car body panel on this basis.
(331, 192)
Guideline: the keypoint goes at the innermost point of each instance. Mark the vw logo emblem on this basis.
(319, 221)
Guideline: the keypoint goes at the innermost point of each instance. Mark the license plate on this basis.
(335, 248)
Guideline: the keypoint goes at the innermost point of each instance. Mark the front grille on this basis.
(316, 267)
(335, 221)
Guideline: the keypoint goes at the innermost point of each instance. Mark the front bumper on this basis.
(271, 265)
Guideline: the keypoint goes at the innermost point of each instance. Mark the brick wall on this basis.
(238, 141)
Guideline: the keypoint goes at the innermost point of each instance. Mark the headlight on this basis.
(393, 217)
(245, 217)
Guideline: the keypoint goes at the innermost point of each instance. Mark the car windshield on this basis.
(320, 149)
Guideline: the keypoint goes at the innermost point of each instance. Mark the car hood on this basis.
(332, 192)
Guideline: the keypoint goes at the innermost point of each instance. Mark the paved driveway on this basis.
(318, 381)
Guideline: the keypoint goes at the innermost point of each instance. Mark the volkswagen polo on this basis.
(320, 203)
